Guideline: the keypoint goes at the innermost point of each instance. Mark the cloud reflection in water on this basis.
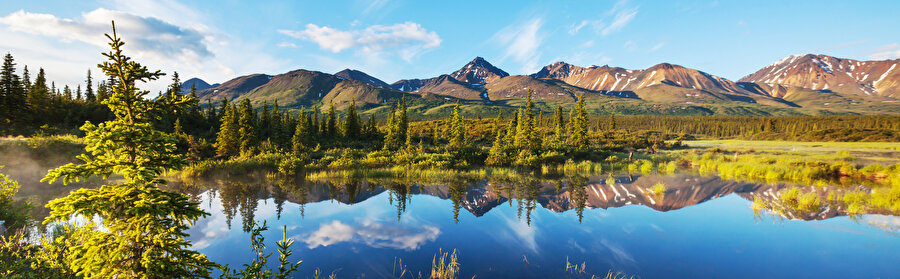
(373, 234)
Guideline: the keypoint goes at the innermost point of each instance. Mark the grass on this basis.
(445, 267)
(866, 152)
(811, 169)
(578, 270)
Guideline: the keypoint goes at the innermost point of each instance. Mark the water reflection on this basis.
(240, 197)
(527, 226)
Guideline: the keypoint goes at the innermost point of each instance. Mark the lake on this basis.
(530, 228)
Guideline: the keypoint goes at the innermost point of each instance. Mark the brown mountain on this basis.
(361, 76)
(298, 87)
(478, 71)
(607, 78)
(825, 73)
(302, 87)
(448, 86)
(233, 88)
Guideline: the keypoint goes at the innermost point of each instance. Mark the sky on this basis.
(391, 40)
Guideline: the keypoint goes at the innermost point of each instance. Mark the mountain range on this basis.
(797, 84)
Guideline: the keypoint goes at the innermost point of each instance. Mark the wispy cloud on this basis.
(658, 46)
(405, 39)
(287, 44)
(888, 51)
(618, 17)
(522, 42)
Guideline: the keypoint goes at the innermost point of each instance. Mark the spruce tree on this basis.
(38, 98)
(331, 128)
(265, 122)
(351, 123)
(228, 139)
(579, 135)
(391, 138)
(497, 154)
(558, 124)
(12, 92)
(526, 134)
(301, 135)
(510, 137)
(248, 128)
(457, 129)
(315, 122)
(89, 88)
(402, 120)
(144, 227)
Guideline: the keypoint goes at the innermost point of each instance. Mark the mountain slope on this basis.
(233, 88)
(298, 87)
(361, 76)
(448, 86)
(347, 91)
(822, 72)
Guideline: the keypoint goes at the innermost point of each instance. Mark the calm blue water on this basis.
(702, 227)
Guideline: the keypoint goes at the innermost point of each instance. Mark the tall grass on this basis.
(445, 267)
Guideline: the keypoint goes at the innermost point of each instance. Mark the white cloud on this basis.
(286, 44)
(163, 35)
(888, 51)
(329, 234)
(405, 39)
(143, 35)
(622, 18)
(373, 234)
(522, 41)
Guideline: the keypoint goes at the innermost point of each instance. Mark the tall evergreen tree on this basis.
(402, 120)
(228, 140)
(26, 79)
(579, 136)
(457, 129)
(301, 135)
(12, 92)
(331, 126)
(497, 155)
(144, 227)
(38, 98)
(392, 138)
(89, 88)
(558, 124)
(351, 122)
(526, 134)
(248, 128)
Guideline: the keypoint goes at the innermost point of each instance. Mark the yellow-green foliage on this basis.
(773, 168)
(658, 189)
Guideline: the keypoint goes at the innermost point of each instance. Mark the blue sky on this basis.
(218, 40)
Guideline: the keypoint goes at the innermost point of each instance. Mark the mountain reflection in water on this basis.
(527, 226)
(240, 197)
